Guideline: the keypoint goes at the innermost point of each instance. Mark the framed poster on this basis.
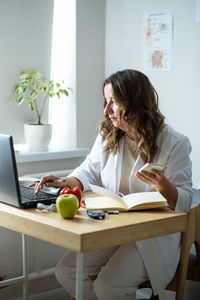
(157, 41)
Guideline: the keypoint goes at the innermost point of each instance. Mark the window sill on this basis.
(23, 155)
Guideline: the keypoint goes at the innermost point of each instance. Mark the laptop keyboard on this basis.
(28, 193)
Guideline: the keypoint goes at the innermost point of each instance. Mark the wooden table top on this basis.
(83, 233)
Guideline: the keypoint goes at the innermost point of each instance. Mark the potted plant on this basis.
(34, 90)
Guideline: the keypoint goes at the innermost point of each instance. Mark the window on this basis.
(62, 112)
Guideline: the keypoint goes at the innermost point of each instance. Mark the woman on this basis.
(132, 133)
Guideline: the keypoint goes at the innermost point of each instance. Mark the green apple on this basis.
(67, 205)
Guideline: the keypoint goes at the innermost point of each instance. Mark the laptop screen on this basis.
(11, 190)
(9, 185)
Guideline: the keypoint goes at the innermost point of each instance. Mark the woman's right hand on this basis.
(49, 181)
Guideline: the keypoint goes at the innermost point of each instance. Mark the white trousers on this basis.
(109, 274)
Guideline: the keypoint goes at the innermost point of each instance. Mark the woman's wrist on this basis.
(72, 182)
(162, 185)
(168, 190)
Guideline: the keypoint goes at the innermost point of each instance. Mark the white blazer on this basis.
(104, 169)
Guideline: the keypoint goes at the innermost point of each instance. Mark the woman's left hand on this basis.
(154, 177)
(161, 184)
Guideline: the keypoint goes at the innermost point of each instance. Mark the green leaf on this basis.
(20, 100)
(30, 104)
(25, 89)
(58, 94)
(18, 89)
(37, 74)
(51, 85)
(34, 94)
(25, 81)
(24, 75)
(65, 92)
(23, 72)
(14, 99)
(44, 89)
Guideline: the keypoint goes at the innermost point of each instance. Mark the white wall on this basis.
(179, 90)
(90, 43)
(25, 31)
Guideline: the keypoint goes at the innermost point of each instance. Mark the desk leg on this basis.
(79, 276)
(25, 267)
(157, 270)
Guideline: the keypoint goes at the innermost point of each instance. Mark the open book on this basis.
(135, 201)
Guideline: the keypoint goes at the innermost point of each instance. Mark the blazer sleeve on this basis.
(179, 172)
(89, 171)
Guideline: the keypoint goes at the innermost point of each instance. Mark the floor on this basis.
(192, 292)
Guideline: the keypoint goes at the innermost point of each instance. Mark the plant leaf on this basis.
(32, 84)
(58, 94)
(34, 94)
(14, 98)
(20, 100)
(25, 89)
(30, 104)
(65, 92)
(18, 89)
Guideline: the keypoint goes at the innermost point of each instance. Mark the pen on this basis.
(53, 180)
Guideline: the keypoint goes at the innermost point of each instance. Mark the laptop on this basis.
(13, 191)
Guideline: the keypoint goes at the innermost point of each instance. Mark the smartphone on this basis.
(149, 166)
(96, 214)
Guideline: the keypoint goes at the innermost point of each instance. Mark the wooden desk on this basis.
(83, 233)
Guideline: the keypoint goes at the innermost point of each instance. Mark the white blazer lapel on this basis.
(118, 166)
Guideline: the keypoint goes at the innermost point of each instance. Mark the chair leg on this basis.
(183, 266)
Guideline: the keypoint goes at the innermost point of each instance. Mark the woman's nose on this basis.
(108, 109)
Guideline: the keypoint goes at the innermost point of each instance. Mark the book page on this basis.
(104, 203)
(102, 191)
(148, 199)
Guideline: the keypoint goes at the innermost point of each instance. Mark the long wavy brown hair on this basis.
(133, 91)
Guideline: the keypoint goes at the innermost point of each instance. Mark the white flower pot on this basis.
(38, 136)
